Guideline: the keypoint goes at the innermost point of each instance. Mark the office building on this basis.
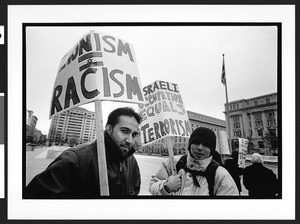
(31, 122)
(77, 124)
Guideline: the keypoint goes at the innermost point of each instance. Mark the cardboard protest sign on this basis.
(222, 143)
(163, 113)
(243, 146)
(98, 67)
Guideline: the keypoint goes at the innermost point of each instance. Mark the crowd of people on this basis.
(75, 173)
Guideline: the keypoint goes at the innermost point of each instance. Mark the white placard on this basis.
(164, 113)
(222, 146)
(99, 66)
(243, 146)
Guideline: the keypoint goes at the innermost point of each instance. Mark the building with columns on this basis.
(253, 119)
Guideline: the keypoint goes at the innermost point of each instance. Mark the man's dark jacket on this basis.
(232, 167)
(260, 181)
(74, 174)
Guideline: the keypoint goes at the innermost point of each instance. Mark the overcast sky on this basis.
(190, 56)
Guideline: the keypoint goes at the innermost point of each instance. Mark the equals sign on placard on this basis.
(90, 63)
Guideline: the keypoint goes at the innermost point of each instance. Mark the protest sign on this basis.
(98, 67)
(243, 148)
(163, 113)
(222, 143)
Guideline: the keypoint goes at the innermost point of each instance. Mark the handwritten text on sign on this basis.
(99, 66)
(164, 113)
(243, 148)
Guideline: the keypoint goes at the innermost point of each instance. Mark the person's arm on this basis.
(137, 185)
(163, 183)
(274, 183)
(224, 183)
(59, 180)
(246, 177)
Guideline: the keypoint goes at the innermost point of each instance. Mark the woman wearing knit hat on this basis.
(198, 173)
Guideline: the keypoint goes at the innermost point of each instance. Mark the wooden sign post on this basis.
(170, 143)
(103, 180)
(79, 82)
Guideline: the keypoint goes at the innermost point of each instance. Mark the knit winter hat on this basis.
(205, 136)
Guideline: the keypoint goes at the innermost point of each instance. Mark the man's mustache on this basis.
(127, 145)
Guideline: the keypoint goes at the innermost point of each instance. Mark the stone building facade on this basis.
(254, 119)
(31, 122)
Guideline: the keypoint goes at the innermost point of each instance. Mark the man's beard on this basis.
(125, 147)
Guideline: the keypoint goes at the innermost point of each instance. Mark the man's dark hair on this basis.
(113, 117)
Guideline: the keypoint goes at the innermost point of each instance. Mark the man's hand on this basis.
(173, 183)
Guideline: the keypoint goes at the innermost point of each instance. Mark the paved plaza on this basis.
(38, 159)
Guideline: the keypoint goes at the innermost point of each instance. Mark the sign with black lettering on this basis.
(98, 67)
(243, 148)
(164, 113)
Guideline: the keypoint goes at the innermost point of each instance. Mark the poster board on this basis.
(163, 114)
(243, 146)
(222, 143)
(98, 67)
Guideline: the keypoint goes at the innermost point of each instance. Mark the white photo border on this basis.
(153, 209)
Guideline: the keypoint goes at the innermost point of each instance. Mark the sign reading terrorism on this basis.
(98, 67)
(164, 113)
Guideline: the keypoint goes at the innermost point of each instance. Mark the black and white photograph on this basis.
(179, 54)
(149, 112)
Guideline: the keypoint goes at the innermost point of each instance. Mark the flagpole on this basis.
(227, 108)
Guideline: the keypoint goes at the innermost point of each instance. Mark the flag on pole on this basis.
(223, 76)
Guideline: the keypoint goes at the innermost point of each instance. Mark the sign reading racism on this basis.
(98, 67)
(163, 114)
(243, 146)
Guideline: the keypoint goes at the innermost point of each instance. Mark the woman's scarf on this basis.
(196, 167)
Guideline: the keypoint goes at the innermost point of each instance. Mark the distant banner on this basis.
(243, 146)
(99, 66)
(222, 143)
(163, 113)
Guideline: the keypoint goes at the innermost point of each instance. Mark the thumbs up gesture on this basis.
(173, 183)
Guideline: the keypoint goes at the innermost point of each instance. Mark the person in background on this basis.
(217, 157)
(231, 164)
(260, 181)
(74, 174)
(197, 172)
